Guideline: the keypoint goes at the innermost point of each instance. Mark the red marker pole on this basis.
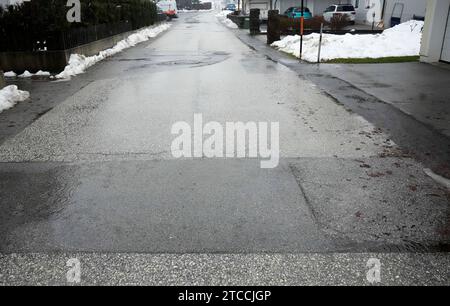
(302, 19)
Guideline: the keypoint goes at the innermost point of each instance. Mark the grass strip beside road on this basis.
(381, 60)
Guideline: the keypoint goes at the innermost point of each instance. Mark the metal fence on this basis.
(81, 36)
(61, 40)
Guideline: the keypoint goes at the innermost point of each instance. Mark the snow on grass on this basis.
(79, 63)
(401, 40)
(222, 16)
(440, 179)
(10, 95)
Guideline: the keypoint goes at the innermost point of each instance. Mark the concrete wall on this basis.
(434, 30)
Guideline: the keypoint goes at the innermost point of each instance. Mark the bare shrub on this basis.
(339, 21)
(293, 24)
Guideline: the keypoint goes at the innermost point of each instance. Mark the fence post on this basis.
(63, 39)
(254, 21)
(2, 80)
(273, 26)
(320, 43)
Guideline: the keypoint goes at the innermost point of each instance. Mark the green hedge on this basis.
(22, 24)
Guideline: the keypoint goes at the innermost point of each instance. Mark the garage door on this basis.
(263, 8)
(445, 56)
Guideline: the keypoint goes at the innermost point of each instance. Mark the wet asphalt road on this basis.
(95, 173)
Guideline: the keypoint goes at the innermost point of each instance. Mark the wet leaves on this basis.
(376, 174)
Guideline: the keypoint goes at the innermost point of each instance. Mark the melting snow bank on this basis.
(401, 40)
(195, 11)
(79, 63)
(222, 16)
(27, 74)
(10, 95)
(441, 180)
(10, 74)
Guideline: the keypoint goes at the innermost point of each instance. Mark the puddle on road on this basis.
(182, 60)
(133, 59)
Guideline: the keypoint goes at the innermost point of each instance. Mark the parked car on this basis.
(169, 7)
(340, 9)
(296, 12)
(230, 7)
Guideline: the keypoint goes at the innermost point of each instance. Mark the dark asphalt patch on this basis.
(155, 207)
(219, 206)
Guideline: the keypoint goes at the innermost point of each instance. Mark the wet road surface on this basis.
(96, 174)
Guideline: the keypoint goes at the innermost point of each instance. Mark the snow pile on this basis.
(10, 74)
(79, 63)
(42, 73)
(26, 74)
(222, 16)
(401, 40)
(195, 11)
(10, 95)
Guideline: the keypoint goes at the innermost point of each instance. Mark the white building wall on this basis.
(365, 10)
(262, 5)
(321, 5)
(411, 8)
(434, 30)
(315, 6)
(283, 5)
